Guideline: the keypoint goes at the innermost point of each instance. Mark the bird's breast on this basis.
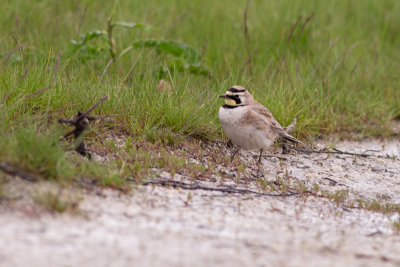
(231, 115)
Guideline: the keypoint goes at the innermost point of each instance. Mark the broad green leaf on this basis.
(132, 25)
(190, 55)
(84, 38)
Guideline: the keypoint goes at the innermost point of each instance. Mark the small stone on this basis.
(230, 183)
(303, 166)
(378, 168)
(391, 171)
(231, 174)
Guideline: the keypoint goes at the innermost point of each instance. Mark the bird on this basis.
(248, 124)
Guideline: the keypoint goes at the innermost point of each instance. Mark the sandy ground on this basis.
(157, 226)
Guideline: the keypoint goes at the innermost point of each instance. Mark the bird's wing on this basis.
(260, 109)
(253, 118)
(266, 114)
(275, 126)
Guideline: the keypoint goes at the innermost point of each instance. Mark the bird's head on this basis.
(237, 96)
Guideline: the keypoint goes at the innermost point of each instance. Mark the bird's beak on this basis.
(223, 96)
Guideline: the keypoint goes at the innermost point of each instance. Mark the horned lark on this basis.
(247, 123)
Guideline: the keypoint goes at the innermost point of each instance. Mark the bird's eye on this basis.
(237, 99)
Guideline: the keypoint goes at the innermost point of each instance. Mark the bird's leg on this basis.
(259, 158)
(285, 149)
(234, 153)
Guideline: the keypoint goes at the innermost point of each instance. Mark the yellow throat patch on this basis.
(230, 102)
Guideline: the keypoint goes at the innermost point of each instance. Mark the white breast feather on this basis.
(244, 136)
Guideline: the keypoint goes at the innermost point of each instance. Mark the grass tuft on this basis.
(37, 153)
(52, 202)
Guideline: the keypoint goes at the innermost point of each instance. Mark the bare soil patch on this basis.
(165, 226)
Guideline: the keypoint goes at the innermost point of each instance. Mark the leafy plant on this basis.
(36, 153)
(107, 42)
(184, 56)
(87, 50)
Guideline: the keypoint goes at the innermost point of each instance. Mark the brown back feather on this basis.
(275, 126)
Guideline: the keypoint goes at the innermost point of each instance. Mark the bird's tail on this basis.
(290, 138)
(284, 135)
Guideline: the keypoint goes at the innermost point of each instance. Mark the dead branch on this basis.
(333, 182)
(229, 190)
(12, 170)
(325, 151)
(274, 156)
(337, 151)
(81, 123)
(95, 105)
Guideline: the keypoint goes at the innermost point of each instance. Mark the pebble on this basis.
(378, 168)
(392, 171)
(303, 166)
(230, 183)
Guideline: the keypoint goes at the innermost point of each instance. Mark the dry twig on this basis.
(337, 151)
(229, 190)
(12, 170)
(81, 123)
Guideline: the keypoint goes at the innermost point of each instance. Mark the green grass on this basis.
(337, 74)
(336, 71)
(36, 152)
(53, 202)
